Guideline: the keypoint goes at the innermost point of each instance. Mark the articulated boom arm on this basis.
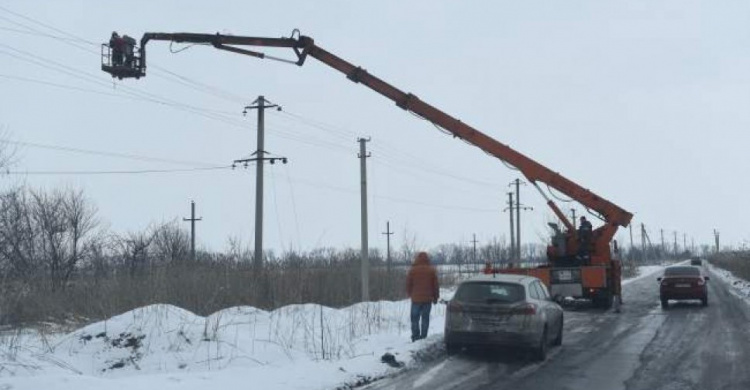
(303, 46)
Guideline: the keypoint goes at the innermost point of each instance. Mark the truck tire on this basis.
(664, 303)
(603, 301)
(704, 301)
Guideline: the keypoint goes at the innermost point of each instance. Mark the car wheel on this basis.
(664, 303)
(540, 351)
(558, 340)
(452, 348)
(704, 301)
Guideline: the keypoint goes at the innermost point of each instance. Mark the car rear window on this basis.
(490, 292)
(682, 271)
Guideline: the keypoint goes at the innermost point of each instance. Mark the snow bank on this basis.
(164, 347)
(296, 346)
(740, 287)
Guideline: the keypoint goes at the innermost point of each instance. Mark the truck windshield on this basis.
(490, 292)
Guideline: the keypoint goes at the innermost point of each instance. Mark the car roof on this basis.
(507, 278)
(683, 268)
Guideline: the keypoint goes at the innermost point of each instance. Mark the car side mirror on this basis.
(706, 278)
(658, 279)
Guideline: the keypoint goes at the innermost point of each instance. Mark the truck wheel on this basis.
(603, 301)
(664, 303)
(704, 301)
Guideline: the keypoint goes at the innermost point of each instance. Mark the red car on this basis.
(683, 282)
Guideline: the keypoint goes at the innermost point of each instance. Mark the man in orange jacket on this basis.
(422, 287)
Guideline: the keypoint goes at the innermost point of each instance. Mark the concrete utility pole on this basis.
(474, 253)
(518, 183)
(388, 233)
(573, 215)
(363, 155)
(716, 239)
(684, 241)
(643, 242)
(675, 243)
(663, 248)
(512, 234)
(630, 227)
(261, 105)
(192, 220)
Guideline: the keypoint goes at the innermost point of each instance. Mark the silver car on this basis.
(503, 310)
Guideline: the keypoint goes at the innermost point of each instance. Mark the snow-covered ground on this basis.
(164, 347)
(643, 272)
(740, 287)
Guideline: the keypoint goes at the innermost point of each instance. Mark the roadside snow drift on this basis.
(298, 346)
(165, 347)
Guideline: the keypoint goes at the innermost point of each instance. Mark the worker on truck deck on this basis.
(585, 231)
(424, 291)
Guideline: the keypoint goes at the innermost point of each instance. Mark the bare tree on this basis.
(63, 220)
(17, 235)
(134, 250)
(171, 244)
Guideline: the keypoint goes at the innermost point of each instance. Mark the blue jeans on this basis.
(420, 311)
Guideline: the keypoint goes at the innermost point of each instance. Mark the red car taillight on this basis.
(528, 309)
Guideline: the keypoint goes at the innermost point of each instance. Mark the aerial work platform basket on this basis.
(124, 61)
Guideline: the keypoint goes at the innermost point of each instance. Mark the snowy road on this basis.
(644, 347)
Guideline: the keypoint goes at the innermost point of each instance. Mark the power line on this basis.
(390, 198)
(124, 172)
(340, 134)
(103, 153)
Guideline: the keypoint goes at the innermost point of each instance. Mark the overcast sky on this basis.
(643, 102)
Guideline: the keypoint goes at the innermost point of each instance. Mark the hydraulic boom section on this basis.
(567, 248)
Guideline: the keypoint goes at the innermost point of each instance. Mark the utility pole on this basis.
(512, 235)
(675, 243)
(388, 233)
(684, 241)
(261, 105)
(365, 261)
(643, 242)
(518, 183)
(663, 248)
(716, 239)
(192, 220)
(474, 255)
(630, 227)
(573, 215)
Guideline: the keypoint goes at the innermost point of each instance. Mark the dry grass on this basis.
(737, 262)
(202, 288)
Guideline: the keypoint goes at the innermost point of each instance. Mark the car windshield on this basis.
(682, 271)
(490, 292)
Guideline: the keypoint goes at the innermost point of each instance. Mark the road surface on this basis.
(686, 346)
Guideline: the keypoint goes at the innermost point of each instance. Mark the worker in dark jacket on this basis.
(422, 287)
(585, 231)
(117, 44)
